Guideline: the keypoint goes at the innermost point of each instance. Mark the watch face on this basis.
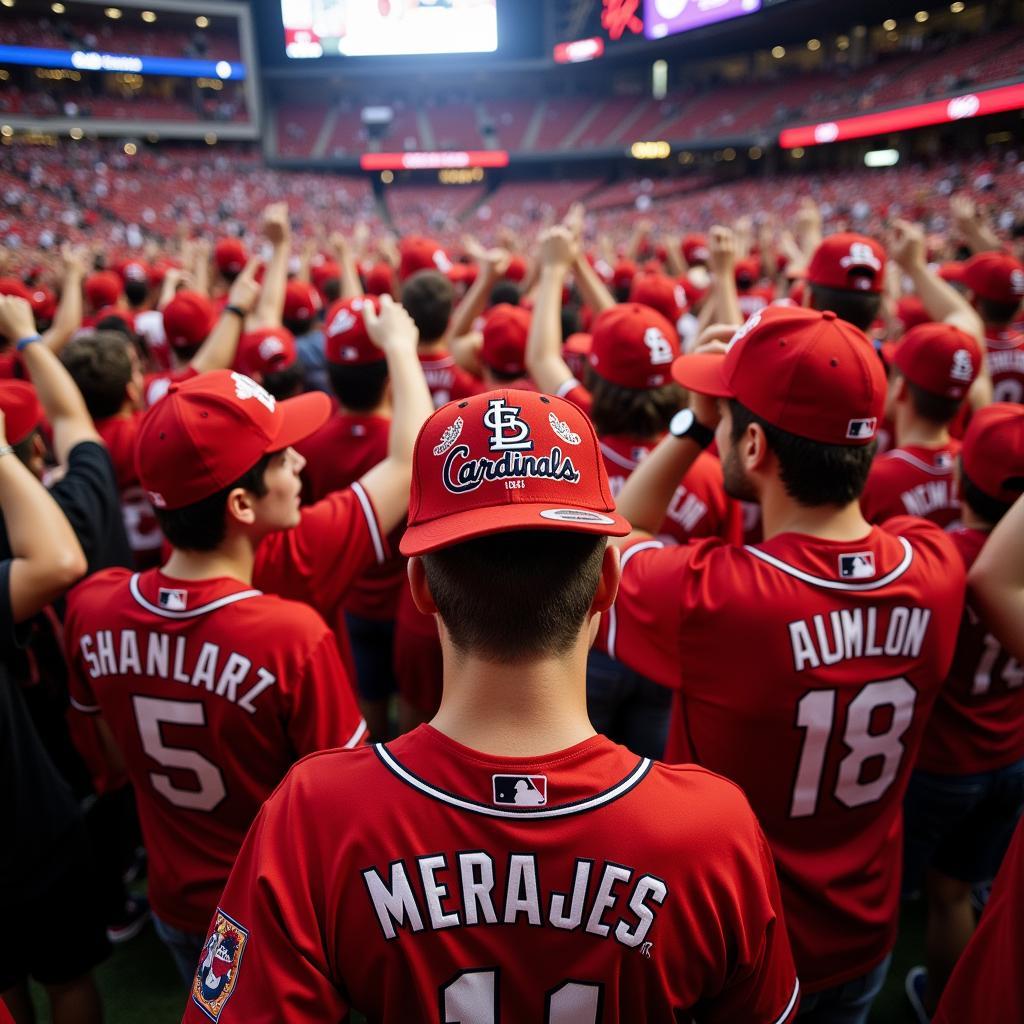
(681, 422)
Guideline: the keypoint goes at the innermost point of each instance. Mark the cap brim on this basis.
(703, 373)
(300, 417)
(478, 522)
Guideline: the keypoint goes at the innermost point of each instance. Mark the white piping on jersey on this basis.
(88, 709)
(242, 595)
(371, 520)
(613, 622)
(789, 1006)
(898, 453)
(566, 386)
(643, 766)
(1004, 344)
(792, 570)
(619, 460)
(356, 736)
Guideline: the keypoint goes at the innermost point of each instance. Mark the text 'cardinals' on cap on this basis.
(505, 331)
(995, 276)
(267, 350)
(507, 460)
(849, 262)
(211, 429)
(633, 346)
(993, 451)
(939, 358)
(21, 409)
(346, 341)
(806, 372)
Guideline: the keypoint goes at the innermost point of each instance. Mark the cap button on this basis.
(828, 315)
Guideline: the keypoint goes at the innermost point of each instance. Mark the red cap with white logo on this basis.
(849, 262)
(507, 460)
(417, 253)
(996, 277)
(807, 372)
(993, 451)
(695, 249)
(346, 342)
(301, 302)
(938, 358)
(267, 350)
(230, 256)
(633, 346)
(213, 428)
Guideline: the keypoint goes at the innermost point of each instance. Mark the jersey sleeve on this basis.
(317, 561)
(271, 911)
(576, 393)
(323, 712)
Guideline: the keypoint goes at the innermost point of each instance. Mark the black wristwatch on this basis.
(685, 424)
(240, 313)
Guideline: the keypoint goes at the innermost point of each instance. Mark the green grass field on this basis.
(140, 985)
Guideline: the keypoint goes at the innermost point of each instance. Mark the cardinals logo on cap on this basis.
(962, 368)
(221, 960)
(508, 432)
(861, 256)
(658, 346)
(246, 388)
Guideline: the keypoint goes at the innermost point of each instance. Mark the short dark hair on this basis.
(857, 308)
(812, 472)
(428, 296)
(359, 388)
(505, 291)
(331, 289)
(642, 412)
(135, 291)
(202, 526)
(24, 449)
(100, 365)
(993, 312)
(937, 409)
(517, 596)
(984, 505)
(286, 383)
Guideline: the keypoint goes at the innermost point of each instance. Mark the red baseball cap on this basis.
(321, 273)
(21, 409)
(507, 460)
(910, 312)
(379, 279)
(13, 286)
(804, 371)
(268, 350)
(939, 358)
(43, 301)
(188, 319)
(158, 271)
(103, 288)
(695, 249)
(301, 302)
(850, 262)
(995, 276)
(505, 331)
(230, 255)
(633, 346)
(952, 271)
(747, 272)
(993, 451)
(133, 270)
(516, 269)
(417, 253)
(623, 273)
(126, 318)
(576, 352)
(660, 292)
(346, 341)
(211, 429)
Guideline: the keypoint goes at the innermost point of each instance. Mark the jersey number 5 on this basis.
(472, 997)
(150, 713)
(815, 714)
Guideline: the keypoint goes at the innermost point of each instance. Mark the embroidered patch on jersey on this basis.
(173, 600)
(219, 964)
(859, 565)
(520, 790)
(861, 429)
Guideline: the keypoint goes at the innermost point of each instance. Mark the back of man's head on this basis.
(992, 460)
(846, 275)
(428, 296)
(101, 365)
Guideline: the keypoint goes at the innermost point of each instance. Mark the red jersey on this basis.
(1005, 355)
(447, 380)
(576, 393)
(211, 690)
(156, 385)
(913, 481)
(987, 983)
(977, 724)
(699, 508)
(805, 672)
(480, 888)
(337, 455)
(140, 525)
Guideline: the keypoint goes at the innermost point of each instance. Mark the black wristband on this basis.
(240, 313)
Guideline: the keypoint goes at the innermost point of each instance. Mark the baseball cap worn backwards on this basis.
(804, 371)
(211, 429)
(507, 460)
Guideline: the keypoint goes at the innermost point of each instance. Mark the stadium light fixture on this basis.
(778, 52)
(6, 131)
(843, 43)
(728, 154)
(921, 17)
(76, 133)
(650, 150)
(889, 24)
(130, 149)
(387, 177)
(881, 158)
(202, 21)
(210, 139)
(798, 153)
(7, 3)
(579, 50)
(813, 45)
(957, 7)
(149, 17)
(755, 152)
(113, 13)
(659, 79)
(57, 8)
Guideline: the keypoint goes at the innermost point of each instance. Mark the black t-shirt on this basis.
(35, 802)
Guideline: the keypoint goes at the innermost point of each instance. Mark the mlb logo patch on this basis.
(520, 790)
(860, 430)
(219, 964)
(173, 600)
(860, 565)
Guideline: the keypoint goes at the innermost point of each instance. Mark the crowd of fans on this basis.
(194, 343)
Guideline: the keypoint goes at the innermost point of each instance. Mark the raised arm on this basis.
(996, 581)
(722, 305)
(387, 484)
(270, 306)
(544, 360)
(58, 394)
(490, 265)
(219, 350)
(978, 236)
(351, 287)
(68, 317)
